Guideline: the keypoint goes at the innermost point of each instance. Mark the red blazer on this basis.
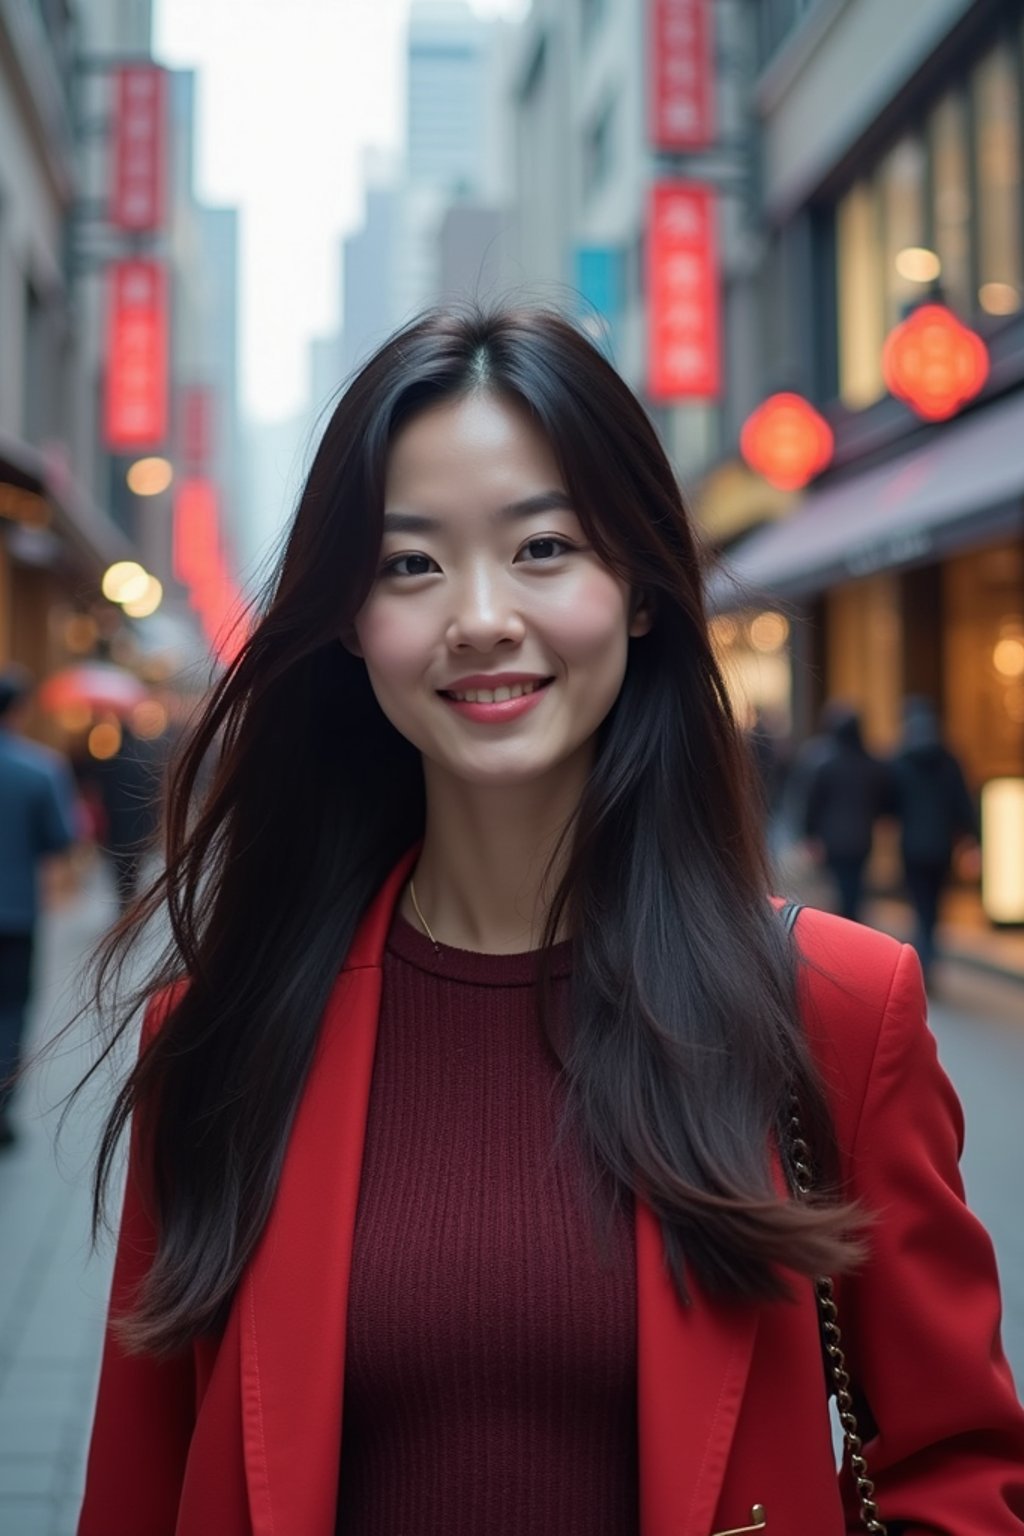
(241, 1434)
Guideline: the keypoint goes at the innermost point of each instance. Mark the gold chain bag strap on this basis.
(802, 1174)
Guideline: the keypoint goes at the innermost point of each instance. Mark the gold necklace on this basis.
(423, 922)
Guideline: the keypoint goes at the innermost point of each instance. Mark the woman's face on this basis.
(494, 638)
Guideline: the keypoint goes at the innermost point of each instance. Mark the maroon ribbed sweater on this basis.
(490, 1380)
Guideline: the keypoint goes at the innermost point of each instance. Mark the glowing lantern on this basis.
(934, 363)
(786, 441)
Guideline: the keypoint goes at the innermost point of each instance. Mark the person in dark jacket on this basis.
(846, 792)
(37, 818)
(929, 796)
(129, 785)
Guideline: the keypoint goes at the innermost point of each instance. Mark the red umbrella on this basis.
(99, 684)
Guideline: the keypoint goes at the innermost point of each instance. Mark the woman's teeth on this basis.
(494, 695)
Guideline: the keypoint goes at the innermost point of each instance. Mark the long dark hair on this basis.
(684, 1041)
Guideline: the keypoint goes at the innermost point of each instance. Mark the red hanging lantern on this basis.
(934, 363)
(787, 441)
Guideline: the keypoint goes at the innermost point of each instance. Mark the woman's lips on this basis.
(498, 711)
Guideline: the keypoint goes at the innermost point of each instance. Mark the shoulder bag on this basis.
(802, 1175)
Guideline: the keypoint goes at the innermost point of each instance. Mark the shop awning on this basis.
(85, 525)
(964, 486)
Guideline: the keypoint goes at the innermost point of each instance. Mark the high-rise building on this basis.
(437, 225)
(447, 143)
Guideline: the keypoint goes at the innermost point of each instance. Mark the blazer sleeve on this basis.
(145, 1407)
(921, 1319)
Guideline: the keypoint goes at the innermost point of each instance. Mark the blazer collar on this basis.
(692, 1362)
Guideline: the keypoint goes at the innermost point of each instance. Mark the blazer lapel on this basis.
(293, 1298)
(692, 1366)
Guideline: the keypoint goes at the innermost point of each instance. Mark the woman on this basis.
(474, 1089)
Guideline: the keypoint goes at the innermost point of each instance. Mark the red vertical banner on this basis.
(196, 537)
(196, 428)
(200, 563)
(684, 351)
(135, 405)
(139, 158)
(681, 74)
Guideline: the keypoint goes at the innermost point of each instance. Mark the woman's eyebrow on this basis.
(419, 522)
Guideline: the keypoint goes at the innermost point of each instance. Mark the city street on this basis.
(52, 1294)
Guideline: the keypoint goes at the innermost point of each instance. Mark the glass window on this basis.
(598, 149)
(901, 183)
(998, 168)
(591, 15)
(951, 206)
(860, 298)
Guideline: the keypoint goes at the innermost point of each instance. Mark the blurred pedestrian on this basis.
(845, 794)
(930, 798)
(37, 818)
(129, 791)
(767, 751)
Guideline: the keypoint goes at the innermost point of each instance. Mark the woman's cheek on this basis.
(592, 617)
(390, 639)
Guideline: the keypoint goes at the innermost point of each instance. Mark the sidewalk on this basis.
(965, 936)
(52, 1294)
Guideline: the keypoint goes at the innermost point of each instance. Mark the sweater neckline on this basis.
(407, 943)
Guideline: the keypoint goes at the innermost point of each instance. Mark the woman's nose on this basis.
(485, 613)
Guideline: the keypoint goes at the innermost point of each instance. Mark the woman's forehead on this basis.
(467, 444)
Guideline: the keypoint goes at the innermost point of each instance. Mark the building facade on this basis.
(892, 174)
(866, 158)
(70, 505)
(56, 534)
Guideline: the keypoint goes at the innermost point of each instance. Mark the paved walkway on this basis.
(53, 1294)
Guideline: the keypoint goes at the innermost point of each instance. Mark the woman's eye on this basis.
(546, 548)
(408, 565)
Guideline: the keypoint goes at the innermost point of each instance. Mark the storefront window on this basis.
(998, 168)
(901, 180)
(861, 302)
(951, 209)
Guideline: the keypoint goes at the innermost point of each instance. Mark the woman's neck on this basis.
(482, 878)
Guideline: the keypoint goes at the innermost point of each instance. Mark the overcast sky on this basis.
(289, 92)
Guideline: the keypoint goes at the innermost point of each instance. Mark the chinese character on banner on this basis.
(680, 74)
(139, 148)
(135, 405)
(682, 293)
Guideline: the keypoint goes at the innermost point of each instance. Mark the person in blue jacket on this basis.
(37, 818)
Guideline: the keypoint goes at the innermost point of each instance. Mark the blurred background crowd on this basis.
(796, 226)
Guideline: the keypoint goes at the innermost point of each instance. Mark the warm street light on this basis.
(124, 582)
(149, 602)
(148, 477)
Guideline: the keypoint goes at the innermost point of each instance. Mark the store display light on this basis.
(1002, 840)
(769, 632)
(917, 264)
(999, 298)
(787, 441)
(934, 363)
